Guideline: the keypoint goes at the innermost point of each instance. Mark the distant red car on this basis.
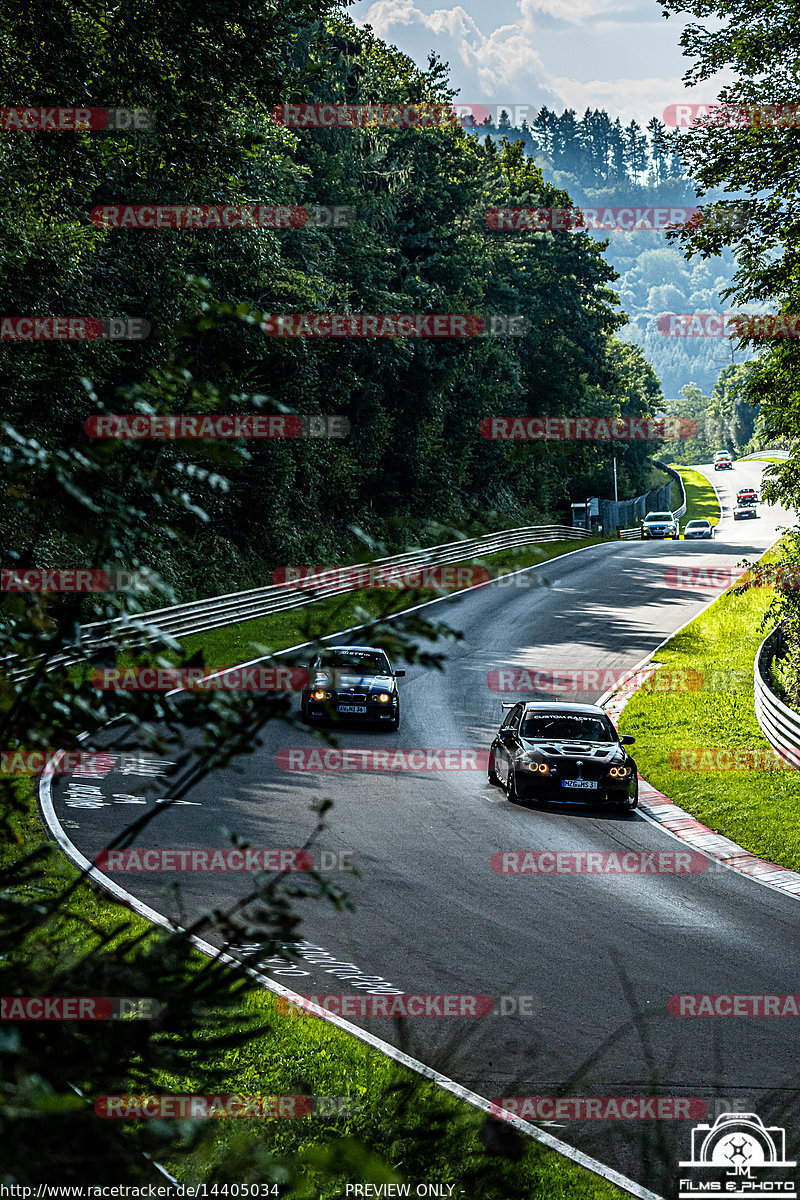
(746, 496)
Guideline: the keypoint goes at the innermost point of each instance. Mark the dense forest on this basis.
(603, 163)
(213, 515)
(417, 243)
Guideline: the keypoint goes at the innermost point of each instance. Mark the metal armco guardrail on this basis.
(779, 723)
(198, 616)
(635, 531)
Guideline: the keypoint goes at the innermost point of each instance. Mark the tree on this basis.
(657, 130)
(750, 151)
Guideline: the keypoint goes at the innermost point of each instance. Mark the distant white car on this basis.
(745, 511)
(698, 529)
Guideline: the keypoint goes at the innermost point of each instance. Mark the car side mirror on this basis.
(626, 739)
(398, 674)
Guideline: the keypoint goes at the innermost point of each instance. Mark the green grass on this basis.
(403, 1128)
(758, 809)
(701, 500)
(406, 1129)
(249, 639)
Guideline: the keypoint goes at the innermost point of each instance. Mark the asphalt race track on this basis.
(595, 957)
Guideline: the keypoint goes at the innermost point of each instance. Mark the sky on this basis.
(612, 54)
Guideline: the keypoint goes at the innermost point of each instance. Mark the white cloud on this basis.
(507, 65)
(630, 99)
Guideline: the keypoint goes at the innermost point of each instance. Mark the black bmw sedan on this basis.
(352, 683)
(562, 752)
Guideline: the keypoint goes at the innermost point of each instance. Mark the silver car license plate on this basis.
(579, 783)
(351, 708)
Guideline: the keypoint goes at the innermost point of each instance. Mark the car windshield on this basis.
(697, 525)
(545, 727)
(363, 662)
(658, 517)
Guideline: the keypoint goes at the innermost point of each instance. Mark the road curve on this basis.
(595, 957)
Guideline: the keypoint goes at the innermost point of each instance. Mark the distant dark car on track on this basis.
(352, 683)
(560, 752)
(745, 511)
(660, 525)
(698, 529)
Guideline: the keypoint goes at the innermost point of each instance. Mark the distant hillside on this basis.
(602, 163)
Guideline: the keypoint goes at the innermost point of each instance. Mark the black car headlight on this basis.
(318, 694)
(383, 698)
(537, 767)
(620, 772)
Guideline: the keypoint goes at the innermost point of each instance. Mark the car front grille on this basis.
(358, 697)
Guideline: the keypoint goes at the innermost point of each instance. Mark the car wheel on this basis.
(394, 724)
(494, 778)
(634, 803)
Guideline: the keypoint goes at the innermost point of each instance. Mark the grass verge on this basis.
(399, 1128)
(237, 643)
(701, 499)
(758, 809)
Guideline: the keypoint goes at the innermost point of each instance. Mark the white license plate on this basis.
(579, 783)
(351, 708)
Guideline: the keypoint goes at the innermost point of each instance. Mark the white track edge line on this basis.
(413, 1064)
(604, 699)
(392, 616)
